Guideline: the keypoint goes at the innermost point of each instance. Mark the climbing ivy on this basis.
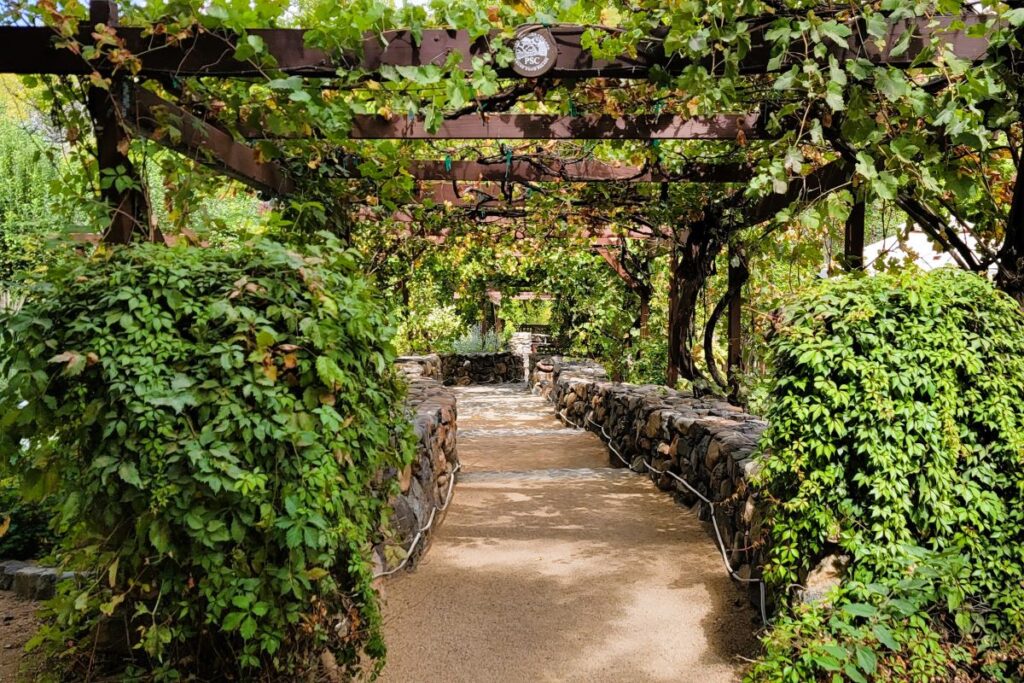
(212, 427)
(896, 438)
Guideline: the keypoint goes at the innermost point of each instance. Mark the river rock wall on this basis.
(463, 369)
(427, 366)
(707, 442)
(426, 484)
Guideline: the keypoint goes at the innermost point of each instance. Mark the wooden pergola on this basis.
(225, 145)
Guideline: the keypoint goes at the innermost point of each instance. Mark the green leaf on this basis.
(853, 674)
(129, 473)
(867, 660)
(233, 620)
(826, 662)
(836, 32)
(159, 536)
(891, 83)
(885, 637)
(248, 629)
(857, 609)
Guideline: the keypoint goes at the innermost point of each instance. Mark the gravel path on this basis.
(552, 566)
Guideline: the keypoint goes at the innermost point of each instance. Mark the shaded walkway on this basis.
(551, 566)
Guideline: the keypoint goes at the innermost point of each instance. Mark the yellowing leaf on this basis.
(5, 526)
(523, 7)
(112, 572)
(610, 16)
(108, 607)
(270, 371)
(316, 573)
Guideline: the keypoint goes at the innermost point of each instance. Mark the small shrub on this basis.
(473, 342)
(213, 426)
(897, 438)
(432, 331)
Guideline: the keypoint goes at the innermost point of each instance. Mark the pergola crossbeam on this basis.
(584, 171)
(170, 125)
(211, 53)
(547, 127)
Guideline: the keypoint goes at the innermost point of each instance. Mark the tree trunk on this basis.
(1011, 256)
(645, 312)
(674, 334)
(696, 258)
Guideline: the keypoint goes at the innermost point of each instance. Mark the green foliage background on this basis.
(26, 203)
(896, 437)
(211, 427)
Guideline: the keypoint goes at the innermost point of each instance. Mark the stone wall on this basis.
(707, 442)
(424, 484)
(428, 366)
(463, 369)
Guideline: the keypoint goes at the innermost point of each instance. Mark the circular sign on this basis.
(534, 53)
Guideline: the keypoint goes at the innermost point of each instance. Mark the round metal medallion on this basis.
(534, 53)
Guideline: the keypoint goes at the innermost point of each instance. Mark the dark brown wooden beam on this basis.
(120, 185)
(170, 125)
(32, 50)
(523, 170)
(853, 242)
(806, 189)
(545, 127)
(612, 261)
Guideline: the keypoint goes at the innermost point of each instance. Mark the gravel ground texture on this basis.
(552, 566)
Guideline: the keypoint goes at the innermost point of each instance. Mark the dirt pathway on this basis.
(551, 566)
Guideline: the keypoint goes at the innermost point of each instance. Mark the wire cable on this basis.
(711, 506)
(426, 527)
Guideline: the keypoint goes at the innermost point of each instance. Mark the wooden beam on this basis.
(612, 261)
(546, 127)
(177, 129)
(129, 205)
(853, 242)
(468, 195)
(211, 53)
(818, 183)
(527, 170)
(532, 296)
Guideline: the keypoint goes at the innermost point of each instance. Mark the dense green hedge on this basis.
(213, 425)
(897, 438)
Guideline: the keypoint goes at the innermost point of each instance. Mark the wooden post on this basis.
(853, 242)
(674, 333)
(737, 275)
(129, 205)
(1011, 255)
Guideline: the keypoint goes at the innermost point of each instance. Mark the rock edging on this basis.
(426, 483)
(464, 369)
